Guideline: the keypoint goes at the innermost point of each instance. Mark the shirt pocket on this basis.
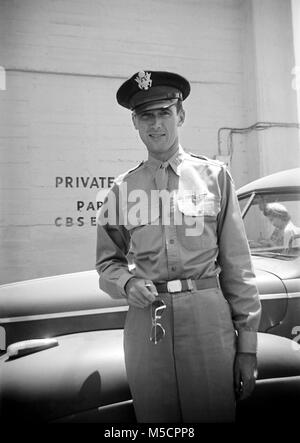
(145, 230)
(198, 220)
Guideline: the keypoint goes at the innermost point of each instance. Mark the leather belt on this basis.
(188, 284)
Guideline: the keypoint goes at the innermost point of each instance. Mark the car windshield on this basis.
(272, 222)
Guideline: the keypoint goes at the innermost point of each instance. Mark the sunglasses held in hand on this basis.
(157, 331)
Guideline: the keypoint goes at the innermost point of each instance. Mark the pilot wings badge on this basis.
(196, 198)
(143, 80)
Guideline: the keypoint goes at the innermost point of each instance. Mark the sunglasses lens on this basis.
(157, 333)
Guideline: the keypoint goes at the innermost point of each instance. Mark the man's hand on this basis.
(140, 292)
(245, 372)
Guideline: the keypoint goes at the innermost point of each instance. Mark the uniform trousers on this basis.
(188, 375)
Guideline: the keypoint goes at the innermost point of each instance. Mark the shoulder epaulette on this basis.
(203, 157)
(210, 160)
(135, 168)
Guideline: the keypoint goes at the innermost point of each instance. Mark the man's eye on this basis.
(145, 116)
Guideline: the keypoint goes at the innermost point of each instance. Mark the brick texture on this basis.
(62, 134)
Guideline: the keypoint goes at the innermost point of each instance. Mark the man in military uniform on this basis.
(190, 333)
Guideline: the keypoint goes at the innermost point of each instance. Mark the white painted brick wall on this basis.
(58, 116)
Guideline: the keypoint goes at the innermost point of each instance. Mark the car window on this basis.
(244, 202)
(272, 224)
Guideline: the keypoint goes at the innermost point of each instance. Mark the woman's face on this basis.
(278, 222)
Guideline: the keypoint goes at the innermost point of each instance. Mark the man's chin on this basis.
(158, 146)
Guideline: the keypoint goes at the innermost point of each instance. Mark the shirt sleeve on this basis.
(237, 277)
(287, 235)
(113, 242)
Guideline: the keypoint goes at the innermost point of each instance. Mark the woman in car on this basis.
(284, 230)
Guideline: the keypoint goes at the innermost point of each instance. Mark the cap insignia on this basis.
(143, 80)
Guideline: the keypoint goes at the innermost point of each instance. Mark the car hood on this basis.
(58, 293)
(283, 269)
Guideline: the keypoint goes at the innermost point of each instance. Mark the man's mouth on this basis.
(156, 136)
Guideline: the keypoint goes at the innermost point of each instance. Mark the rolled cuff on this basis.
(123, 281)
(247, 341)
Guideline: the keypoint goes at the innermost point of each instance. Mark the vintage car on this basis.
(62, 341)
(277, 265)
(81, 377)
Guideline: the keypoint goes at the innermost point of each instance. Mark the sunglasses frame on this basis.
(155, 320)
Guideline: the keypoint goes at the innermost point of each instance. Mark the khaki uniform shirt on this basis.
(196, 233)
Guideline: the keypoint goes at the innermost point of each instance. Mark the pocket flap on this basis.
(140, 215)
(194, 204)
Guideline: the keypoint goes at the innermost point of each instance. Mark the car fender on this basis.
(85, 371)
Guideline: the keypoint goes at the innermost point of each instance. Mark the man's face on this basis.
(158, 129)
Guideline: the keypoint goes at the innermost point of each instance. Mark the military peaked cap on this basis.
(152, 90)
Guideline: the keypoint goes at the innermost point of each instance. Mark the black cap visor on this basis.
(157, 104)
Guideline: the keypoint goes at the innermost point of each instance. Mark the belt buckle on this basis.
(174, 286)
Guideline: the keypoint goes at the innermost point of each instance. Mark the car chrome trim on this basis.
(294, 295)
(63, 314)
(282, 295)
(113, 405)
(103, 408)
(25, 347)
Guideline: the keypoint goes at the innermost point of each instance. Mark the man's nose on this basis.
(156, 122)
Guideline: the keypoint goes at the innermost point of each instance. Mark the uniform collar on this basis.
(174, 161)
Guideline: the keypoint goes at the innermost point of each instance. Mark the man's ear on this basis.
(134, 120)
(181, 116)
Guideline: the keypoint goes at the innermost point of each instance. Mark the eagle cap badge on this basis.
(143, 80)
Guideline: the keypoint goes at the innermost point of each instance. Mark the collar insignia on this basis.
(143, 80)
